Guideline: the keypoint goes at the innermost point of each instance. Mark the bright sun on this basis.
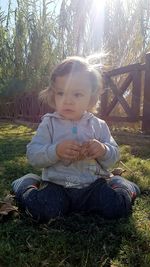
(98, 4)
(98, 7)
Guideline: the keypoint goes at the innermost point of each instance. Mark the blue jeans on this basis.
(52, 200)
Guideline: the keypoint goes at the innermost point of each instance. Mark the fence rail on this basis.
(116, 91)
(25, 107)
(139, 107)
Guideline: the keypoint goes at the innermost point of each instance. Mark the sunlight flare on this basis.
(98, 5)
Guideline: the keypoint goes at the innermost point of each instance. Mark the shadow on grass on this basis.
(75, 241)
(12, 148)
(13, 161)
(139, 144)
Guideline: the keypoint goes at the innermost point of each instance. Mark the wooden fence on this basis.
(136, 77)
(25, 107)
(121, 85)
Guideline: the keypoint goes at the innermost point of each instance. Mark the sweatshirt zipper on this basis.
(74, 132)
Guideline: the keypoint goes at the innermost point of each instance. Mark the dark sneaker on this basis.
(120, 182)
(20, 185)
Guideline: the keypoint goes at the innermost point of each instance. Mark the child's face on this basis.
(72, 95)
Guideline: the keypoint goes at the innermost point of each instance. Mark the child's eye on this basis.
(78, 94)
(60, 93)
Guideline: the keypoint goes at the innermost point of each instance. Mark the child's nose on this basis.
(68, 99)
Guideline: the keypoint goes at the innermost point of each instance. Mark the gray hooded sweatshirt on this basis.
(41, 151)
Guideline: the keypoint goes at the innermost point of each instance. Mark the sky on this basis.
(4, 4)
(97, 9)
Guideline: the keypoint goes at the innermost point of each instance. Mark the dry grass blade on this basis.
(6, 208)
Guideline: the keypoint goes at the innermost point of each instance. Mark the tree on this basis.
(38, 34)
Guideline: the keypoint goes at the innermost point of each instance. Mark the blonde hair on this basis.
(70, 66)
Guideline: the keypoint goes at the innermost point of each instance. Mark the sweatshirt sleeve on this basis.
(112, 154)
(40, 151)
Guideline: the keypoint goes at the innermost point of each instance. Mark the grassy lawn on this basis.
(75, 241)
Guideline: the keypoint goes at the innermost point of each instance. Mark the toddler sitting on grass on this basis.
(75, 149)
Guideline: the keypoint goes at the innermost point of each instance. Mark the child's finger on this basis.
(75, 147)
(74, 142)
(70, 156)
(71, 153)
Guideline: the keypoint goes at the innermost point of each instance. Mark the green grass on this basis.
(75, 241)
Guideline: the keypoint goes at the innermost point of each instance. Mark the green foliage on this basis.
(27, 47)
(38, 34)
(12, 87)
(74, 241)
(126, 32)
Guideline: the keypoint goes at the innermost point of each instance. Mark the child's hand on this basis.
(68, 149)
(83, 151)
(95, 149)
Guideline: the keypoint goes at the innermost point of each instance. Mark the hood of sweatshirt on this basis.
(86, 115)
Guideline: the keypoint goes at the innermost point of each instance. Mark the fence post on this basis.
(146, 100)
(136, 94)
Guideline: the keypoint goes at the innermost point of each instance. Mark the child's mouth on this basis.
(68, 110)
